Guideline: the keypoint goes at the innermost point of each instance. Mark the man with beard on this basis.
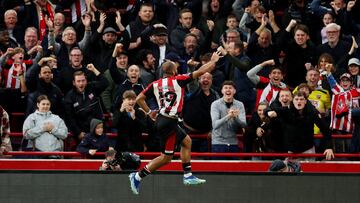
(38, 80)
(186, 26)
(64, 75)
(155, 38)
(191, 48)
(169, 93)
(132, 82)
(336, 47)
(147, 67)
(236, 65)
(82, 102)
(5, 42)
(103, 42)
(197, 105)
(119, 61)
(298, 120)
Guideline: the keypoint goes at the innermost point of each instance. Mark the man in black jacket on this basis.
(63, 76)
(82, 102)
(103, 42)
(186, 26)
(298, 121)
(135, 28)
(39, 81)
(155, 38)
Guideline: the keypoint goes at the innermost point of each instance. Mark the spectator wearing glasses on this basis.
(336, 47)
(69, 40)
(64, 76)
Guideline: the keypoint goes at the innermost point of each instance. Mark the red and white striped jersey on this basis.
(341, 105)
(266, 91)
(169, 93)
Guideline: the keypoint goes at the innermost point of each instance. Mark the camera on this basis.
(113, 162)
(126, 160)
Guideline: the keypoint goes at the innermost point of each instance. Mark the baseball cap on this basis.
(277, 165)
(123, 53)
(109, 30)
(345, 75)
(160, 31)
(354, 61)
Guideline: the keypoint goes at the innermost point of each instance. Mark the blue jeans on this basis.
(224, 148)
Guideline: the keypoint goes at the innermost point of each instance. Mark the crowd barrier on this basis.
(224, 166)
(193, 154)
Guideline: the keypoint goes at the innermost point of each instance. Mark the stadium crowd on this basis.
(292, 66)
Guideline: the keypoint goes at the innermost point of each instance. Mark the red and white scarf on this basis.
(77, 10)
(270, 92)
(12, 79)
(42, 22)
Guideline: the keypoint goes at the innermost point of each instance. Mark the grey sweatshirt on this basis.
(224, 127)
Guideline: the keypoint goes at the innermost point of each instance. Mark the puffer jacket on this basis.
(43, 140)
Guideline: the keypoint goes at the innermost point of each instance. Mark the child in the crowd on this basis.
(257, 133)
(14, 70)
(96, 140)
(130, 125)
